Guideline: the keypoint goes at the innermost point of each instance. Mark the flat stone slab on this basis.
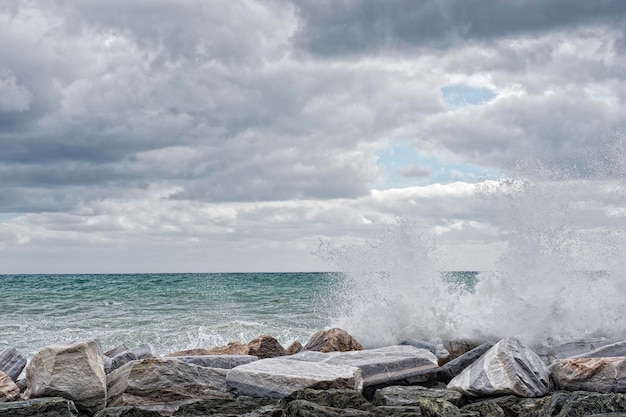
(279, 377)
(381, 365)
(217, 361)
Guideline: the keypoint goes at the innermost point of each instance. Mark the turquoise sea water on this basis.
(169, 311)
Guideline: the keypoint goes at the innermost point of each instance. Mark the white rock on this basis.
(508, 367)
(279, 377)
(71, 370)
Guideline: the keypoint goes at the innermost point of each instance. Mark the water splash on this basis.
(562, 276)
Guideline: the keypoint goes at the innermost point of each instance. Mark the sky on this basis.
(226, 135)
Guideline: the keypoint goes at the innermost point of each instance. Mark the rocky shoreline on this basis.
(332, 375)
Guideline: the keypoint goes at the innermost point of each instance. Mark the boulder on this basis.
(127, 412)
(590, 374)
(116, 350)
(567, 350)
(397, 395)
(120, 359)
(217, 361)
(454, 367)
(294, 348)
(379, 366)
(332, 340)
(336, 398)
(153, 382)
(232, 348)
(606, 351)
(457, 348)
(303, 408)
(71, 370)
(266, 346)
(572, 404)
(279, 377)
(9, 391)
(145, 351)
(509, 367)
(40, 407)
(436, 347)
(12, 362)
(226, 406)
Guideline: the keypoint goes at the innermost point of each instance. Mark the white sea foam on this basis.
(561, 221)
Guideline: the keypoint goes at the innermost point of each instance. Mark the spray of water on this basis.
(562, 276)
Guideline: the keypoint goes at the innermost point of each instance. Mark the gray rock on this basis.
(145, 351)
(336, 398)
(225, 406)
(410, 395)
(9, 391)
(436, 347)
(153, 382)
(573, 404)
(12, 362)
(40, 407)
(116, 350)
(456, 366)
(379, 366)
(567, 350)
(303, 408)
(217, 361)
(590, 374)
(333, 340)
(508, 367)
(72, 370)
(279, 377)
(606, 351)
(121, 359)
(127, 412)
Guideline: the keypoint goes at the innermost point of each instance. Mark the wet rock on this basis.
(9, 391)
(12, 362)
(457, 348)
(232, 348)
(485, 409)
(332, 340)
(438, 408)
(72, 370)
(154, 381)
(435, 346)
(40, 407)
(279, 377)
(217, 361)
(456, 366)
(303, 408)
(410, 395)
(127, 412)
(266, 346)
(398, 411)
(379, 366)
(508, 367)
(590, 374)
(567, 350)
(573, 404)
(336, 398)
(294, 348)
(225, 406)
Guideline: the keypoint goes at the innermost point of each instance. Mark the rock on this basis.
(232, 348)
(72, 370)
(457, 348)
(379, 366)
(438, 408)
(550, 354)
(127, 412)
(279, 377)
(155, 381)
(266, 346)
(116, 351)
(224, 406)
(12, 362)
(40, 407)
(145, 351)
(607, 351)
(336, 398)
(436, 347)
(9, 391)
(122, 359)
(590, 374)
(508, 367)
(573, 404)
(455, 366)
(217, 361)
(294, 348)
(485, 409)
(303, 408)
(397, 395)
(332, 340)
(398, 411)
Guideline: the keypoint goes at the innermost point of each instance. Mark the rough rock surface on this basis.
(397, 395)
(232, 348)
(383, 365)
(303, 408)
(456, 366)
(9, 391)
(157, 381)
(40, 407)
(435, 346)
(294, 348)
(508, 367)
(266, 346)
(127, 411)
(332, 340)
(279, 377)
(71, 370)
(223, 406)
(457, 348)
(567, 350)
(607, 351)
(12, 362)
(217, 361)
(590, 374)
(336, 398)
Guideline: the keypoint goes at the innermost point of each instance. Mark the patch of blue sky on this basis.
(461, 95)
(5, 217)
(406, 166)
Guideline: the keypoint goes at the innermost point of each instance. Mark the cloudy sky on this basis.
(194, 135)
